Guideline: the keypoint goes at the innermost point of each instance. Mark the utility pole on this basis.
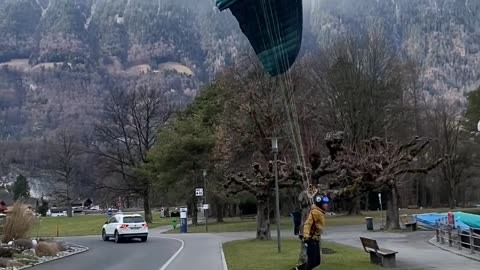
(205, 198)
(277, 193)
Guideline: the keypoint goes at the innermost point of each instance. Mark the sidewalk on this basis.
(413, 248)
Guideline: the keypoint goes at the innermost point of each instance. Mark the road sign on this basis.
(205, 207)
(199, 192)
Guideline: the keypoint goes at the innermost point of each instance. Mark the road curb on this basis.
(224, 261)
(433, 242)
(84, 249)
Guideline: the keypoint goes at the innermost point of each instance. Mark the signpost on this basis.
(205, 205)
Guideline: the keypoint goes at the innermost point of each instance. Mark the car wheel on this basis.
(117, 237)
(104, 236)
(144, 238)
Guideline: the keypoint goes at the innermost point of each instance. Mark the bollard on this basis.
(459, 238)
(438, 235)
(472, 247)
(449, 238)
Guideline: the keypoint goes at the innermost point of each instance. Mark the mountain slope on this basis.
(177, 45)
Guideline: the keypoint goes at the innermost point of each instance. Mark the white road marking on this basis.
(164, 267)
(224, 261)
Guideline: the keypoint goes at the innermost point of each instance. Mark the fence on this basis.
(461, 238)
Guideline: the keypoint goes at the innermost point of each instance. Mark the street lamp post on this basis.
(277, 193)
(205, 198)
(381, 206)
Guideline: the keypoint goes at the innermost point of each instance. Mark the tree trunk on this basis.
(367, 201)
(70, 210)
(263, 226)
(147, 209)
(128, 205)
(452, 197)
(393, 214)
(354, 206)
(194, 213)
(220, 206)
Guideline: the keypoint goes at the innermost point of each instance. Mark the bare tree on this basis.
(445, 122)
(125, 136)
(359, 89)
(261, 183)
(65, 154)
(359, 85)
(373, 164)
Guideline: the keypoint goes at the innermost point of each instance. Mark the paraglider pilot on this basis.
(312, 231)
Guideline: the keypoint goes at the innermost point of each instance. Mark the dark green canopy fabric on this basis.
(273, 27)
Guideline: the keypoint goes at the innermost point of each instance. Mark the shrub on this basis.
(46, 249)
(20, 223)
(23, 244)
(6, 252)
(43, 208)
(5, 263)
(61, 247)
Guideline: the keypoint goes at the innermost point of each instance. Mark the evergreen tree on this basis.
(21, 189)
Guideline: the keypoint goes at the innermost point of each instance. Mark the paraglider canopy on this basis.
(273, 27)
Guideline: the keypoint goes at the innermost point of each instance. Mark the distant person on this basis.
(312, 230)
(297, 220)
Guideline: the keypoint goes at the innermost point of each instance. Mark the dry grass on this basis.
(60, 247)
(46, 249)
(20, 223)
(176, 67)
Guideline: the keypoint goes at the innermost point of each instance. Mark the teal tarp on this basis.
(463, 220)
(470, 220)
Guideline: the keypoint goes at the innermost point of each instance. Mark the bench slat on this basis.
(386, 252)
(382, 251)
(369, 243)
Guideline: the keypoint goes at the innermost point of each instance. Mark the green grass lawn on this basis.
(81, 225)
(242, 225)
(263, 255)
(233, 225)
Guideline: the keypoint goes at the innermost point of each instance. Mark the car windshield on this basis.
(133, 220)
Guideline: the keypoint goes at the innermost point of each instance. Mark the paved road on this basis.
(151, 255)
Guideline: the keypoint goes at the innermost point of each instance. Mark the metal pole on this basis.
(381, 208)
(205, 198)
(277, 201)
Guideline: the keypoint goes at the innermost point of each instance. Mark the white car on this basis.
(123, 226)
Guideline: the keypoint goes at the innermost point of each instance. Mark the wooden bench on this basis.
(411, 226)
(409, 222)
(254, 216)
(380, 256)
